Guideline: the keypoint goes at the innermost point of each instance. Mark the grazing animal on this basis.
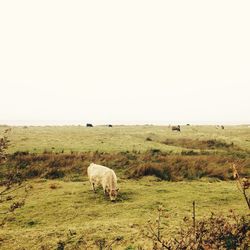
(176, 128)
(89, 125)
(7, 130)
(222, 127)
(104, 176)
(110, 126)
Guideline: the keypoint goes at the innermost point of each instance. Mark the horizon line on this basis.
(117, 123)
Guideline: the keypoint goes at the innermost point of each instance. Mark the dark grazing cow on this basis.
(7, 130)
(176, 128)
(89, 125)
(110, 126)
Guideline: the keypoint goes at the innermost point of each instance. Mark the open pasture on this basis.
(70, 212)
(122, 138)
(61, 209)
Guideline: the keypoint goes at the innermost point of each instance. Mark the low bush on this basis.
(215, 232)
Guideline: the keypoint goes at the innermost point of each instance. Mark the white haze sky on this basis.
(126, 62)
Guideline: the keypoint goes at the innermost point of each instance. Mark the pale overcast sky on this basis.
(130, 62)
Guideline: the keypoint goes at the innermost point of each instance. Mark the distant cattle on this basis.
(104, 176)
(8, 130)
(176, 128)
(187, 124)
(110, 126)
(218, 127)
(89, 125)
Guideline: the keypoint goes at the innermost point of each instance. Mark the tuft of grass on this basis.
(54, 186)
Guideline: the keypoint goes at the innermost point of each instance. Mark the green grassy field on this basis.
(65, 209)
(50, 214)
(118, 138)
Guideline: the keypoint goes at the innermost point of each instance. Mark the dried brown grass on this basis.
(200, 144)
(128, 164)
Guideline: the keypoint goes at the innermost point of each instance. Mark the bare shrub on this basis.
(216, 232)
(4, 143)
(11, 181)
(243, 184)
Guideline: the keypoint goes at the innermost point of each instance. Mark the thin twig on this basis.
(242, 185)
(194, 225)
(12, 190)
